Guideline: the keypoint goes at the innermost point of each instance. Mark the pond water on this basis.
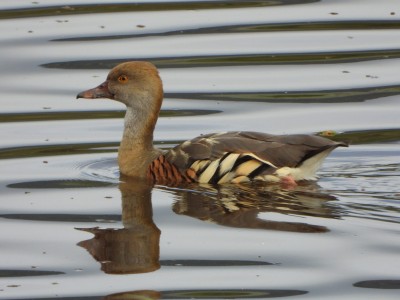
(70, 229)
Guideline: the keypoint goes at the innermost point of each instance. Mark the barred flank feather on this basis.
(161, 171)
(231, 167)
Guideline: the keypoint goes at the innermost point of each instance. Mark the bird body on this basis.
(229, 157)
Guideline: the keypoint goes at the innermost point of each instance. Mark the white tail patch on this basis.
(310, 166)
(307, 170)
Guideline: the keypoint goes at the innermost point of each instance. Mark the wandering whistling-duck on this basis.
(211, 158)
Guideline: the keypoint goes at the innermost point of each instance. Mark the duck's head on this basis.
(136, 84)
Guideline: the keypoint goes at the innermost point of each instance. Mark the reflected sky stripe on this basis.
(23, 273)
(257, 27)
(79, 115)
(139, 7)
(236, 60)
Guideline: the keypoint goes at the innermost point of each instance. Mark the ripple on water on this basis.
(105, 170)
(102, 172)
(365, 178)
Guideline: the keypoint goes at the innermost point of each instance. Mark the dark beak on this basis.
(98, 92)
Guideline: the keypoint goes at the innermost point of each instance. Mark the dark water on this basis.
(70, 229)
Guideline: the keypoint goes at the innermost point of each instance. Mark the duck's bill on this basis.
(98, 92)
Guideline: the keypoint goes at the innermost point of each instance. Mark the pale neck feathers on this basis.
(136, 150)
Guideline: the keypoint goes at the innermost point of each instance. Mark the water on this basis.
(71, 230)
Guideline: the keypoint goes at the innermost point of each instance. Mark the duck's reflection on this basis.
(239, 205)
(135, 247)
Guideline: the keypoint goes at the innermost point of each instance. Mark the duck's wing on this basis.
(257, 153)
(278, 150)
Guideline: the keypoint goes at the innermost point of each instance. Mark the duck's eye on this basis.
(123, 78)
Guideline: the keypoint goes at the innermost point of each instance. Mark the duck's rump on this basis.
(242, 156)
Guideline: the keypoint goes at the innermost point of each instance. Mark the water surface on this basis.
(71, 229)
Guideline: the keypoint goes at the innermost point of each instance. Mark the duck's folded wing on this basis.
(275, 150)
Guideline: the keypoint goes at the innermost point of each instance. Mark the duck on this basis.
(214, 158)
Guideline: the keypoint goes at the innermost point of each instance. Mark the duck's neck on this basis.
(136, 151)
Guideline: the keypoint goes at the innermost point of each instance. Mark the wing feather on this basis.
(276, 150)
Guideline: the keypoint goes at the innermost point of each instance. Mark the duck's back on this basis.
(244, 156)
